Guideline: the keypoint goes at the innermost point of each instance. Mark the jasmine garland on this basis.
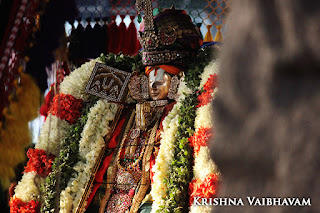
(97, 127)
(165, 156)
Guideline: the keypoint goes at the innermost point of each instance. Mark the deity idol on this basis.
(167, 45)
(145, 155)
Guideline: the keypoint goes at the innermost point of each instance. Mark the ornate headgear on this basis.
(168, 38)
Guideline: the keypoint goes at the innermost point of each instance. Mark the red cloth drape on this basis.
(122, 35)
(132, 39)
(44, 109)
(113, 35)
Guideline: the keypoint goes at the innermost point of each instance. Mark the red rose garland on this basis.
(209, 87)
(200, 138)
(206, 188)
(18, 206)
(66, 107)
(39, 162)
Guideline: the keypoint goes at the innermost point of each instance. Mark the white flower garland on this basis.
(203, 164)
(203, 117)
(165, 155)
(55, 129)
(183, 90)
(52, 133)
(211, 68)
(90, 145)
(164, 158)
(28, 187)
(75, 83)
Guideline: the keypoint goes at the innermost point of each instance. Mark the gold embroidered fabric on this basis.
(129, 171)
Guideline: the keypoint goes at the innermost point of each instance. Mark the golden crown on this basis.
(167, 38)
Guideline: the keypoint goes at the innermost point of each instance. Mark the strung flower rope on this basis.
(203, 188)
(92, 141)
(68, 157)
(206, 95)
(55, 130)
(66, 107)
(39, 162)
(179, 175)
(201, 138)
(18, 206)
(205, 179)
(165, 156)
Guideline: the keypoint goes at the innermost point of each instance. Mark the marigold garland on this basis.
(206, 95)
(39, 162)
(66, 107)
(205, 171)
(212, 83)
(203, 188)
(200, 138)
(18, 206)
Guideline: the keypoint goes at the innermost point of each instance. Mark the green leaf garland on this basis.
(62, 168)
(180, 172)
(123, 62)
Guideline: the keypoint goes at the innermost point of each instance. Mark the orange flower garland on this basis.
(209, 87)
(39, 162)
(18, 206)
(200, 138)
(66, 107)
(206, 188)
(212, 83)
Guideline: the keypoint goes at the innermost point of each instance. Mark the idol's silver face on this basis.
(159, 84)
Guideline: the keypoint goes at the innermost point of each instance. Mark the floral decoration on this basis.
(174, 191)
(200, 138)
(203, 188)
(66, 107)
(39, 162)
(205, 174)
(77, 123)
(75, 83)
(28, 187)
(164, 158)
(212, 83)
(90, 145)
(18, 206)
(65, 162)
(53, 132)
(206, 95)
